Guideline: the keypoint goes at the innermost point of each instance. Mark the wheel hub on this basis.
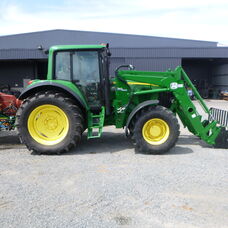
(51, 123)
(155, 131)
(48, 124)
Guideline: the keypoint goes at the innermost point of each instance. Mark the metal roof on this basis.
(58, 37)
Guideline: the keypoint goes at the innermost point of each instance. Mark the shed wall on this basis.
(220, 76)
(154, 64)
(13, 73)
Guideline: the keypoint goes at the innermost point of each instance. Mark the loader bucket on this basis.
(221, 116)
(222, 139)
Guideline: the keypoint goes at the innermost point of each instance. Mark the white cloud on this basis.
(181, 19)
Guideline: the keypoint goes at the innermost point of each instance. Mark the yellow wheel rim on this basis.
(48, 124)
(155, 131)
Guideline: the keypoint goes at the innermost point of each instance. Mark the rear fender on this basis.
(46, 86)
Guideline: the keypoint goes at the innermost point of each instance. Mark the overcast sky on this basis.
(192, 19)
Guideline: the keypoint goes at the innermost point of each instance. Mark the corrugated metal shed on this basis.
(20, 58)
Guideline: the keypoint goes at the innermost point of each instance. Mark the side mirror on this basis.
(131, 67)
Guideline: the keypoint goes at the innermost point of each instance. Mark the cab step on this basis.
(95, 124)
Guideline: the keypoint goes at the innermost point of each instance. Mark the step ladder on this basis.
(95, 124)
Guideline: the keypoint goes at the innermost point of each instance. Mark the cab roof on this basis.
(69, 47)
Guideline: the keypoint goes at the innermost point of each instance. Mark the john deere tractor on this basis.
(79, 95)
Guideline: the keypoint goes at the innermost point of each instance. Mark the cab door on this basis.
(82, 67)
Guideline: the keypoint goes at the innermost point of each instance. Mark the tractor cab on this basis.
(85, 66)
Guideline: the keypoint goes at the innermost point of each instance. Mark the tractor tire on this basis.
(156, 130)
(49, 123)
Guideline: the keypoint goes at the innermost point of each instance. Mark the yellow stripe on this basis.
(140, 83)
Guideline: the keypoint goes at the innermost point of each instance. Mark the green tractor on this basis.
(79, 94)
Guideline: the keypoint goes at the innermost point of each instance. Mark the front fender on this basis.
(136, 109)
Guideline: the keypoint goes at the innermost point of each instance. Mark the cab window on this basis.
(85, 67)
(62, 66)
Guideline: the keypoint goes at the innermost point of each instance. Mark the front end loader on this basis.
(79, 95)
(212, 130)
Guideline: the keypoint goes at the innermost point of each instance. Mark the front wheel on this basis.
(49, 123)
(156, 130)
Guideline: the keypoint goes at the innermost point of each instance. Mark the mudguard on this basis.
(136, 109)
(51, 85)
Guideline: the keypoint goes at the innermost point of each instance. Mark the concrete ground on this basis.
(105, 183)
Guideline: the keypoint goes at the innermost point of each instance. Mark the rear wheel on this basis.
(49, 123)
(156, 130)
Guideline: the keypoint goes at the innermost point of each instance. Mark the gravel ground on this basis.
(104, 183)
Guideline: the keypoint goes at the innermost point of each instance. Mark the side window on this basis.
(86, 67)
(62, 67)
